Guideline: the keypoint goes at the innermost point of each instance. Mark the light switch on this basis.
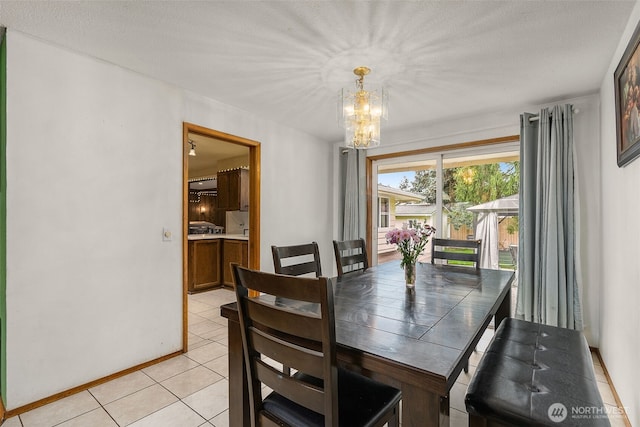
(166, 235)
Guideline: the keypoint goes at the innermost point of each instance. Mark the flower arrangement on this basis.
(411, 242)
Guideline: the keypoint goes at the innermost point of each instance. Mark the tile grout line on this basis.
(103, 408)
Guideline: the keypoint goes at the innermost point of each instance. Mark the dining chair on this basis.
(301, 333)
(456, 250)
(351, 255)
(297, 260)
(300, 260)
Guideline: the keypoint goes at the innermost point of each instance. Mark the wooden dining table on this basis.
(416, 341)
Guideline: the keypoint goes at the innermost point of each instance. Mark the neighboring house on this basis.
(391, 212)
(388, 198)
(409, 214)
(416, 213)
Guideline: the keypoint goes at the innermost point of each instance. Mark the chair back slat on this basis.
(351, 255)
(349, 260)
(448, 255)
(308, 326)
(297, 260)
(455, 256)
(291, 287)
(296, 356)
(303, 393)
(300, 269)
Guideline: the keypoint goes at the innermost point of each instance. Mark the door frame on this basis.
(254, 206)
(371, 161)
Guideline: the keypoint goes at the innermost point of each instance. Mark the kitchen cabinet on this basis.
(233, 190)
(234, 251)
(204, 264)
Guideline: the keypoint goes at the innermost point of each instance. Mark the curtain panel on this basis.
(351, 218)
(548, 288)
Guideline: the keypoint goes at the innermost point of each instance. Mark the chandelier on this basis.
(361, 111)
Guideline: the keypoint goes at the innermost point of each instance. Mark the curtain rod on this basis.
(536, 117)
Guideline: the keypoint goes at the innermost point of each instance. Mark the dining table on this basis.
(417, 340)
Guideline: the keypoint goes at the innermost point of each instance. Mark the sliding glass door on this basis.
(454, 191)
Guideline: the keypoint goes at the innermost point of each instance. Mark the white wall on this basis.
(94, 173)
(620, 278)
(506, 123)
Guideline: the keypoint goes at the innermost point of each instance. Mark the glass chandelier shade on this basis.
(361, 112)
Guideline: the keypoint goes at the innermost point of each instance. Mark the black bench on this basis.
(533, 375)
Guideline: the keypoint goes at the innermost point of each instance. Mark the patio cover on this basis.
(506, 206)
(487, 230)
(487, 227)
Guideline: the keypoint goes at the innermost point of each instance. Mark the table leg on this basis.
(504, 310)
(239, 415)
(423, 409)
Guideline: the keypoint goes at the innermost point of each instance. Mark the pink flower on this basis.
(411, 242)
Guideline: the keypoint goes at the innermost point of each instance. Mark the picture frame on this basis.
(627, 100)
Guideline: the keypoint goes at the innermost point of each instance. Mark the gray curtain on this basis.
(351, 219)
(487, 230)
(547, 282)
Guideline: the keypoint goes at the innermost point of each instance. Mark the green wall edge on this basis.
(3, 215)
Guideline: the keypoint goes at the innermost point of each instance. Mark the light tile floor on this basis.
(191, 390)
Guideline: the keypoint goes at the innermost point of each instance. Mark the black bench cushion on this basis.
(529, 367)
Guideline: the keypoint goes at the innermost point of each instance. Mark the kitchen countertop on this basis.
(217, 236)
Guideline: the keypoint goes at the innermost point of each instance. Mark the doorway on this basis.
(424, 188)
(189, 129)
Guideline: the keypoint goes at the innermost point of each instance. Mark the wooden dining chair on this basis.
(301, 334)
(297, 260)
(351, 255)
(456, 250)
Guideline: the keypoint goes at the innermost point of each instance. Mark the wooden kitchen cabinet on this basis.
(233, 190)
(234, 251)
(204, 264)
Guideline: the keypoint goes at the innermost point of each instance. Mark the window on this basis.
(383, 212)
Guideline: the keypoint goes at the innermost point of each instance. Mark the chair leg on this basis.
(466, 367)
(475, 421)
(395, 420)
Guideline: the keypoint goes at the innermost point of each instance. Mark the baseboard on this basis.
(613, 388)
(83, 387)
(3, 412)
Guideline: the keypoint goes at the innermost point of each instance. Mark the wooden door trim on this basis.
(254, 205)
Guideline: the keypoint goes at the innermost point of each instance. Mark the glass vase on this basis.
(410, 275)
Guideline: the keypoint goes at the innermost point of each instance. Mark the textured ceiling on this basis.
(286, 60)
